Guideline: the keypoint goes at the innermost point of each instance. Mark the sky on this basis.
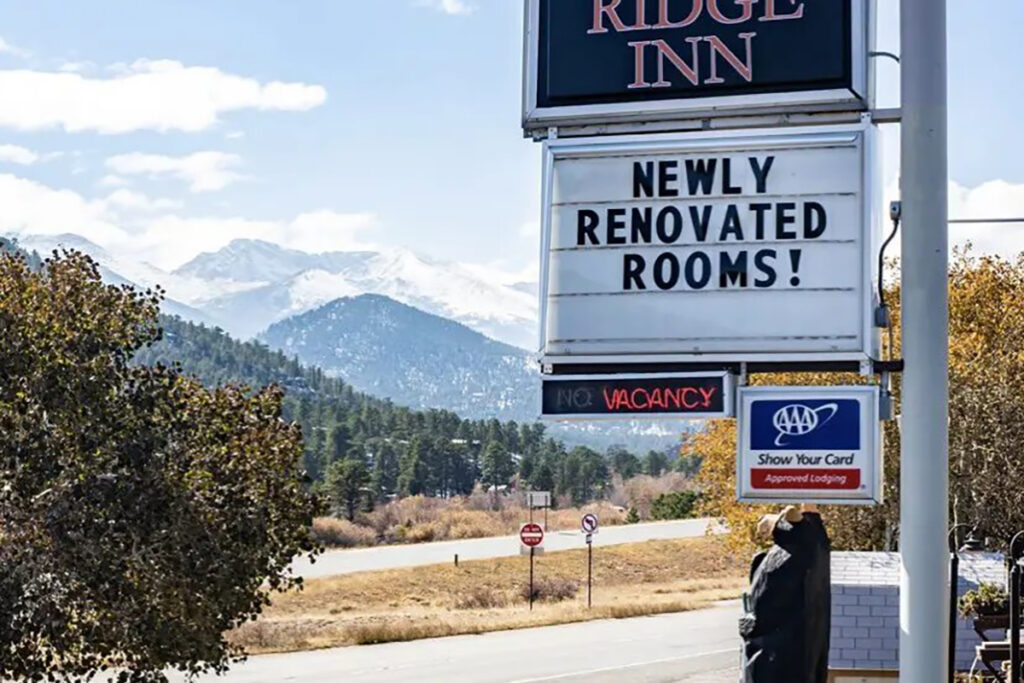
(165, 129)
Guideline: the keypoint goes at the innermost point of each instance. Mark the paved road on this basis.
(690, 647)
(395, 556)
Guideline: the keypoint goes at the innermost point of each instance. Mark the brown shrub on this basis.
(341, 533)
(419, 519)
(423, 533)
(551, 590)
(482, 597)
(641, 492)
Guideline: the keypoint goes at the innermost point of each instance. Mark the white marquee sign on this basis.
(746, 246)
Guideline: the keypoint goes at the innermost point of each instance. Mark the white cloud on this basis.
(7, 48)
(131, 200)
(158, 95)
(170, 241)
(328, 231)
(530, 230)
(993, 199)
(131, 223)
(76, 67)
(235, 135)
(112, 180)
(203, 171)
(18, 155)
(449, 6)
(33, 208)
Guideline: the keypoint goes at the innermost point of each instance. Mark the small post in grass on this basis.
(590, 570)
(588, 525)
(531, 578)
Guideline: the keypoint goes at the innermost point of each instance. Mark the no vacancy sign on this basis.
(684, 395)
(756, 245)
(803, 444)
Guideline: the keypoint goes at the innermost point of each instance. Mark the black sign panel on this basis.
(621, 51)
(631, 396)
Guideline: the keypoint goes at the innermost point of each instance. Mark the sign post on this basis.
(531, 536)
(589, 526)
(539, 499)
(924, 467)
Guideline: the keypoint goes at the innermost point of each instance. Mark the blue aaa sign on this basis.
(614, 52)
(809, 444)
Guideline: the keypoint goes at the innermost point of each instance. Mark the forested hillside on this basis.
(365, 443)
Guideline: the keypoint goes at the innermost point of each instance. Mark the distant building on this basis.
(865, 613)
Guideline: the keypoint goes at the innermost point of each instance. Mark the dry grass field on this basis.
(490, 595)
(419, 519)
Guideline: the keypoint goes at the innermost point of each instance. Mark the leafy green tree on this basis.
(347, 484)
(141, 515)
(632, 517)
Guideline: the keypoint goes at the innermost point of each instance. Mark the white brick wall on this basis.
(865, 608)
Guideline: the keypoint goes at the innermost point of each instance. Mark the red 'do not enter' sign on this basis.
(532, 535)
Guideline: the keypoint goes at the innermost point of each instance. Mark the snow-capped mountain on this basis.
(416, 359)
(249, 285)
(395, 351)
(117, 271)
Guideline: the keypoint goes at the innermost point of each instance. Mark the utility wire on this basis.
(986, 220)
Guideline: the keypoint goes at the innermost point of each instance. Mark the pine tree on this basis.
(346, 483)
(497, 466)
(655, 463)
(412, 479)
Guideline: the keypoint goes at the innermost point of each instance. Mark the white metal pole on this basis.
(924, 473)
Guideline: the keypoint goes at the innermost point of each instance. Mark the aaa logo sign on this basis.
(804, 444)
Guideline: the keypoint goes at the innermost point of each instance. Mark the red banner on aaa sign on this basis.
(839, 480)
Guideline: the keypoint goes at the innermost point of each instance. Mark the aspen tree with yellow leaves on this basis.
(986, 413)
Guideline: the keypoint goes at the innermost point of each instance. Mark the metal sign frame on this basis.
(860, 96)
(868, 346)
(871, 439)
(728, 397)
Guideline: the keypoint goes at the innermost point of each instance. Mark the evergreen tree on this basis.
(655, 463)
(385, 468)
(340, 443)
(527, 466)
(625, 463)
(412, 477)
(346, 485)
(497, 465)
(544, 476)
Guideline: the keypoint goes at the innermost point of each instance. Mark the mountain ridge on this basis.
(250, 284)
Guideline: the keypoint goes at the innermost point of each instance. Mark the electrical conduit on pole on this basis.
(924, 475)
